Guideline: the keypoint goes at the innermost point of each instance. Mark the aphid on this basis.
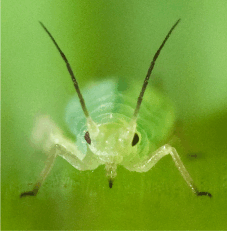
(115, 133)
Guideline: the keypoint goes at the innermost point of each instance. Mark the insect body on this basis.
(111, 129)
(111, 105)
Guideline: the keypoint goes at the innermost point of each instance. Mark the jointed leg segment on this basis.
(161, 152)
(49, 138)
(48, 166)
(185, 173)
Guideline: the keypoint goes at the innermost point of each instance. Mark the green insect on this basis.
(112, 128)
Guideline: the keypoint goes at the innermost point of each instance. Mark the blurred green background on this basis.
(114, 38)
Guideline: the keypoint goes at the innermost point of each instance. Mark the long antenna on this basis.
(140, 98)
(70, 71)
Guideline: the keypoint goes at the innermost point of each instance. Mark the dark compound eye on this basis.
(135, 139)
(87, 138)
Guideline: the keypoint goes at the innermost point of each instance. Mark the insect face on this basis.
(113, 141)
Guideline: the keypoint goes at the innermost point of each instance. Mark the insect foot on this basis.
(29, 193)
(33, 192)
(203, 194)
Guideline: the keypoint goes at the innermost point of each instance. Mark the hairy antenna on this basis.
(150, 71)
(70, 71)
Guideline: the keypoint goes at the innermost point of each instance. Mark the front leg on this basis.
(48, 137)
(48, 166)
(161, 152)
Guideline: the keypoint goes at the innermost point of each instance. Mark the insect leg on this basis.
(156, 156)
(48, 166)
(49, 138)
(179, 164)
